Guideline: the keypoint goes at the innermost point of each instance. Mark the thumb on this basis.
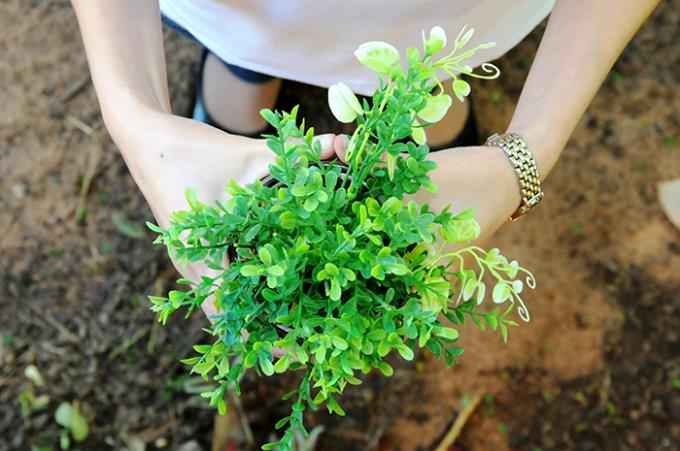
(326, 140)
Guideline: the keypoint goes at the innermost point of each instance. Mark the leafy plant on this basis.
(329, 262)
(68, 415)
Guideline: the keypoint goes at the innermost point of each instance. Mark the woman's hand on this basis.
(167, 154)
(476, 177)
(480, 178)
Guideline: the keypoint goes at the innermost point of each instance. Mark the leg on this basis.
(452, 124)
(235, 103)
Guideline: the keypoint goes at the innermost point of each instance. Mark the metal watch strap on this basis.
(525, 168)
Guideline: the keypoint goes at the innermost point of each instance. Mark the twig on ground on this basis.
(47, 317)
(74, 89)
(80, 125)
(460, 421)
(93, 158)
(128, 343)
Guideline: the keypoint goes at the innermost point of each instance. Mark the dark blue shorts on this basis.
(243, 74)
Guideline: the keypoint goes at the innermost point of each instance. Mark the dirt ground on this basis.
(597, 368)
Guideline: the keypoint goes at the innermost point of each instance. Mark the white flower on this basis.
(378, 56)
(418, 133)
(436, 41)
(436, 108)
(461, 88)
(343, 103)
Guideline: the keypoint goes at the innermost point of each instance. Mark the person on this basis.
(252, 44)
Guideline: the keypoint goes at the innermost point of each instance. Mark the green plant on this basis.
(68, 415)
(330, 263)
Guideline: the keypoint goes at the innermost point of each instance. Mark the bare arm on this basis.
(124, 45)
(581, 43)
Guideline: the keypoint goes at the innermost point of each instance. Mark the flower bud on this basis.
(343, 103)
(436, 108)
(436, 41)
(461, 88)
(378, 56)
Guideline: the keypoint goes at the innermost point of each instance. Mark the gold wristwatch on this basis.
(525, 168)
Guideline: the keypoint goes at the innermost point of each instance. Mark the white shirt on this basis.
(313, 41)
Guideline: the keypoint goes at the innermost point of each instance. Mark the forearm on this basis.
(581, 43)
(124, 46)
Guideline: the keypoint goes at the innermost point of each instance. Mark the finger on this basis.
(327, 148)
(340, 147)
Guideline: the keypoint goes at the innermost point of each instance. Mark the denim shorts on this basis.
(244, 74)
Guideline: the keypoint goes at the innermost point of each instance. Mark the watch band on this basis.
(526, 170)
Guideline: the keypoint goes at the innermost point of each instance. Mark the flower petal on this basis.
(340, 108)
(350, 98)
(461, 88)
(378, 56)
(436, 41)
(436, 108)
(418, 133)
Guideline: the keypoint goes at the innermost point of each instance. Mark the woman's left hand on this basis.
(478, 177)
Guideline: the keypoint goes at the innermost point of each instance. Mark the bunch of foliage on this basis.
(329, 262)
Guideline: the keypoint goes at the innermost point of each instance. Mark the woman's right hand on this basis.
(167, 154)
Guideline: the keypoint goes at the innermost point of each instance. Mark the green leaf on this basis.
(266, 366)
(68, 415)
(391, 165)
(265, 255)
(250, 359)
(276, 271)
(282, 364)
(504, 332)
(252, 233)
(63, 414)
(287, 219)
(153, 227)
(270, 117)
(339, 342)
(446, 332)
(384, 368)
(127, 227)
(250, 270)
(281, 423)
(376, 335)
(406, 352)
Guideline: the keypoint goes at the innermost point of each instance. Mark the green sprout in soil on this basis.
(330, 263)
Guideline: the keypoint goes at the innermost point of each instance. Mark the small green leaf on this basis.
(446, 332)
(384, 368)
(339, 342)
(127, 227)
(252, 233)
(276, 271)
(310, 204)
(406, 352)
(250, 270)
(266, 366)
(265, 255)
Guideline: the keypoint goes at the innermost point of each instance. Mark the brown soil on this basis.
(597, 368)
